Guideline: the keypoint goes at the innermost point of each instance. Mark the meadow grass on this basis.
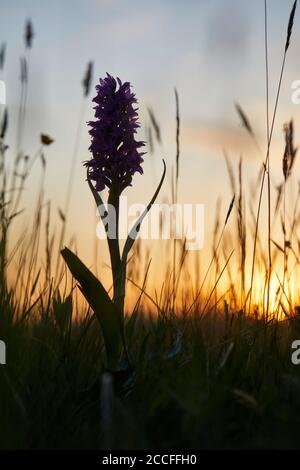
(220, 382)
(208, 370)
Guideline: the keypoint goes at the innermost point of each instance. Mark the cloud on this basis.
(197, 136)
(135, 25)
(228, 30)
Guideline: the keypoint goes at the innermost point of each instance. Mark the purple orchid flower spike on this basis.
(116, 153)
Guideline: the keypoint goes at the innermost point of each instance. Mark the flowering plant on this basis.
(116, 157)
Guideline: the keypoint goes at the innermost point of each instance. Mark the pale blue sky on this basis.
(211, 50)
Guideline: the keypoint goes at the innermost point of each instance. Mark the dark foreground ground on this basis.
(194, 383)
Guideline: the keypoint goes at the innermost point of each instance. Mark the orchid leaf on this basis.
(135, 229)
(96, 195)
(106, 312)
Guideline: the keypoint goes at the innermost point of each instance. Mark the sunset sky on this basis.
(211, 51)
